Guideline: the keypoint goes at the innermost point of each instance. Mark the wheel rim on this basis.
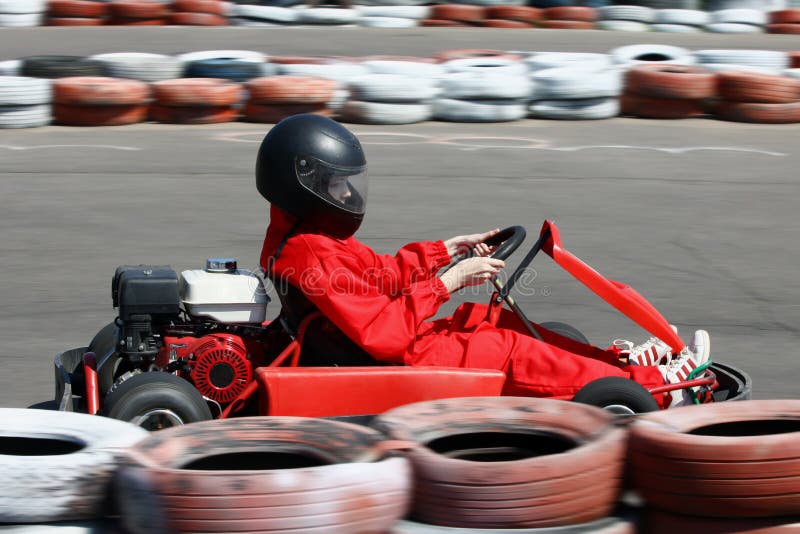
(157, 419)
(619, 409)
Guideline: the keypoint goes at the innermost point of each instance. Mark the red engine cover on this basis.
(221, 369)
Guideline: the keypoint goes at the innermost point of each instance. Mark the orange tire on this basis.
(671, 81)
(470, 53)
(136, 9)
(504, 23)
(274, 113)
(521, 13)
(76, 8)
(787, 28)
(794, 58)
(459, 12)
(212, 7)
(567, 25)
(99, 91)
(759, 112)
(196, 92)
(70, 115)
(119, 21)
(290, 90)
(193, 114)
(73, 21)
(442, 23)
(585, 14)
(660, 108)
(785, 16)
(754, 87)
(197, 19)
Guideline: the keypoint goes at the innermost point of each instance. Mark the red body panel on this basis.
(622, 297)
(324, 391)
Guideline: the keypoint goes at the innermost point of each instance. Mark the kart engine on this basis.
(218, 364)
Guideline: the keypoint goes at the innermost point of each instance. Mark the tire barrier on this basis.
(58, 466)
(138, 13)
(195, 101)
(263, 474)
(726, 460)
(272, 99)
(76, 13)
(22, 13)
(25, 102)
(462, 85)
(508, 462)
(99, 101)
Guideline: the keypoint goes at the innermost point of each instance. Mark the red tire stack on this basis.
(274, 98)
(99, 101)
(784, 21)
(198, 13)
(455, 15)
(667, 91)
(794, 58)
(569, 18)
(138, 13)
(512, 17)
(76, 13)
(764, 98)
(195, 101)
(472, 53)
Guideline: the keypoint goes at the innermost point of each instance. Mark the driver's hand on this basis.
(475, 242)
(471, 272)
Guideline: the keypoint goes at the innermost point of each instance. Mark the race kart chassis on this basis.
(284, 388)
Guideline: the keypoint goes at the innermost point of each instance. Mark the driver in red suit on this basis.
(313, 172)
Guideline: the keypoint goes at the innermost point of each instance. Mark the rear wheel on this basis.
(156, 400)
(617, 395)
(566, 330)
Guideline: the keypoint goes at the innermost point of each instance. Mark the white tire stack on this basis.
(252, 15)
(625, 18)
(10, 67)
(760, 61)
(389, 99)
(18, 13)
(578, 94)
(392, 16)
(483, 90)
(737, 21)
(141, 66)
(627, 56)
(679, 20)
(25, 102)
(327, 16)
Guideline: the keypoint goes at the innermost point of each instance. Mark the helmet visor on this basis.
(342, 187)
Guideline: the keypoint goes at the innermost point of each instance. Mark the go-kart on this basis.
(196, 346)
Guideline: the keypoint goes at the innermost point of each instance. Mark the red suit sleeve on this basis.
(414, 262)
(384, 324)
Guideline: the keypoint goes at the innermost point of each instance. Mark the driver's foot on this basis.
(651, 352)
(691, 361)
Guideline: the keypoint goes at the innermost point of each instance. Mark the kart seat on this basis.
(323, 344)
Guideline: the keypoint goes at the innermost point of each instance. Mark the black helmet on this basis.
(314, 168)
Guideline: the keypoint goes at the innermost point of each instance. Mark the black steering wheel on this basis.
(507, 241)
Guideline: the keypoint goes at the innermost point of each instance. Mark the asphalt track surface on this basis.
(699, 215)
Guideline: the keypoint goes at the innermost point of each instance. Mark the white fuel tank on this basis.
(228, 295)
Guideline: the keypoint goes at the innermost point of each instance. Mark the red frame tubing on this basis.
(708, 379)
(92, 394)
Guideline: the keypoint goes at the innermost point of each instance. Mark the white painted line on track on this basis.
(472, 143)
(110, 147)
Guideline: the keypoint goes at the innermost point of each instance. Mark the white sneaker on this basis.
(651, 352)
(692, 359)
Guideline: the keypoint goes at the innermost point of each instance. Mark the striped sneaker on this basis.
(651, 352)
(691, 361)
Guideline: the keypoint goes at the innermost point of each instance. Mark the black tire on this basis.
(566, 330)
(104, 341)
(174, 400)
(60, 67)
(618, 395)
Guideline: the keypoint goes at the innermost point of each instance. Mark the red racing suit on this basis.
(383, 303)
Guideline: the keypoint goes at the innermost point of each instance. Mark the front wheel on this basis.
(566, 330)
(617, 395)
(156, 400)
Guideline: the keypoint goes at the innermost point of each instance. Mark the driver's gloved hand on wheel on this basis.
(471, 272)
